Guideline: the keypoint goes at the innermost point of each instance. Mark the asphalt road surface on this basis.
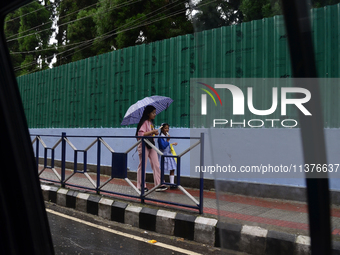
(74, 232)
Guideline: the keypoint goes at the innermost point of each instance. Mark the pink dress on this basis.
(149, 153)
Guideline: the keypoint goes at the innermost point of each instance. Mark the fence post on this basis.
(98, 164)
(45, 157)
(162, 170)
(63, 158)
(201, 173)
(37, 152)
(178, 171)
(143, 172)
(52, 158)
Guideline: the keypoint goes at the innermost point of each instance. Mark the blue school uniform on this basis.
(164, 147)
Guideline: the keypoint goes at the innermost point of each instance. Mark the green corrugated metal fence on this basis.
(96, 92)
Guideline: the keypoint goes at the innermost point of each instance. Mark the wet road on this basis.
(79, 233)
(74, 237)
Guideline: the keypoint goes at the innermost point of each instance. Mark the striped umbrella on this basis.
(135, 111)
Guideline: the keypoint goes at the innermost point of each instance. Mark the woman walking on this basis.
(146, 128)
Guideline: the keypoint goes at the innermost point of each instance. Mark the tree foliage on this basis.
(85, 28)
(76, 29)
(213, 14)
(115, 24)
(28, 31)
(259, 9)
(11, 30)
(142, 21)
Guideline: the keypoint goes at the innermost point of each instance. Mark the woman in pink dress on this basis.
(146, 128)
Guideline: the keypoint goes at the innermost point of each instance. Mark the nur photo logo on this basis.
(274, 94)
(204, 97)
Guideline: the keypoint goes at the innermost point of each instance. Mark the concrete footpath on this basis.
(240, 223)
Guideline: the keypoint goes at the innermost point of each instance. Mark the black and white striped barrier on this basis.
(250, 239)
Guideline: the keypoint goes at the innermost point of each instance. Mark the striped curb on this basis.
(165, 222)
(184, 226)
(118, 211)
(253, 240)
(104, 208)
(243, 238)
(147, 219)
(132, 215)
(205, 230)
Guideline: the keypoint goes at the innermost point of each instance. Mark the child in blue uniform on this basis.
(164, 146)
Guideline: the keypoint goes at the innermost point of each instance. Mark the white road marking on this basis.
(141, 239)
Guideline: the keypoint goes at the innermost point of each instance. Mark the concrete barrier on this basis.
(243, 238)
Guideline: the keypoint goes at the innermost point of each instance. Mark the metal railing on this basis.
(119, 166)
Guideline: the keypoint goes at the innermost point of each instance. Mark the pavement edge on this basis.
(243, 238)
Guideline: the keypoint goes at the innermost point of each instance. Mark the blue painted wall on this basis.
(237, 147)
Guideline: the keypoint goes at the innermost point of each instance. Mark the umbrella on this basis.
(135, 111)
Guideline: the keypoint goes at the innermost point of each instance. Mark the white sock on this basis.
(172, 179)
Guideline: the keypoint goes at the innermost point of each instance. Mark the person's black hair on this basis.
(163, 126)
(148, 109)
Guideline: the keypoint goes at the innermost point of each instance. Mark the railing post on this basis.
(37, 152)
(143, 172)
(52, 158)
(45, 157)
(75, 165)
(85, 161)
(63, 158)
(98, 164)
(162, 170)
(201, 173)
(178, 171)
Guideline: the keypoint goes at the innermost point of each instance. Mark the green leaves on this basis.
(259, 9)
(86, 28)
(28, 31)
